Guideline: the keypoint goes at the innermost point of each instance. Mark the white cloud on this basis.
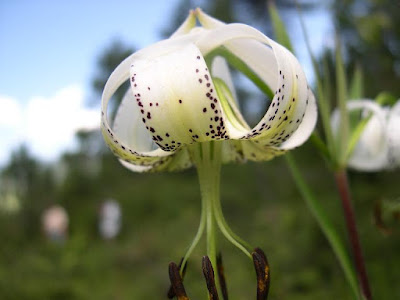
(12, 112)
(46, 125)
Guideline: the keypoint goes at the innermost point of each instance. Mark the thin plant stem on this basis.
(344, 192)
(198, 236)
(325, 224)
(229, 234)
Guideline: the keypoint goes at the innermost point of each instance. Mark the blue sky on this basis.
(48, 55)
(46, 45)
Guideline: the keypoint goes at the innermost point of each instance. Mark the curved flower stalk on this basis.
(378, 145)
(182, 110)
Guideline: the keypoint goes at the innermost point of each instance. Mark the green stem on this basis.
(207, 157)
(325, 224)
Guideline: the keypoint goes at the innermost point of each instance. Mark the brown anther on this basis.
(176, 282)
(221, 277)
(171, 293)
(267, 271)
(208, 272)
(263, 274)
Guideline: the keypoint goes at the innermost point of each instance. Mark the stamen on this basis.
(267, 272)
(221, 277)
(176, 282)
(171, 293)
(263, 274)
(208, 272)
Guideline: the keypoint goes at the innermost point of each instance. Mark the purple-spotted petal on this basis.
(280, 70)
(175, 102)
(306, 127)
(121, 145)
(177, 98)
(179, 161)
(252, 150)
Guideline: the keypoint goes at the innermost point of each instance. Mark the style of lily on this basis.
(181, 111)
(378, 146)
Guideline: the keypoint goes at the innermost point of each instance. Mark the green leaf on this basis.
(357, 84)
(320, 145)
(341, 94)
(327, 83)
(326, 225)
(281, 34)
(322, 97)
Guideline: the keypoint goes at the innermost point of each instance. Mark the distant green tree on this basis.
(251, 12)
(371, 34)
(108, 60)
(35, 187)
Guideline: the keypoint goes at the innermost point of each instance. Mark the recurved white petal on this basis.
(281, 71)
(220, 69)
(207, 21)
(253, 150)
(179, 161)
(186, 26)
(129, 127)
(120, 145)
(177, 98)
(306, 127)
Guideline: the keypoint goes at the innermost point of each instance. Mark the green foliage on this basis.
(160, 217)
(281, 34)
(371, 33)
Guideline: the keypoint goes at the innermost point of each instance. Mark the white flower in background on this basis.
(182, 93)
(378, 147)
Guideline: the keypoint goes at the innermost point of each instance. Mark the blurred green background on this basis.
(160, 212)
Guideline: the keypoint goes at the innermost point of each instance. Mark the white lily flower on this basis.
(182, 93)
(378, 147)
(182, 110)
